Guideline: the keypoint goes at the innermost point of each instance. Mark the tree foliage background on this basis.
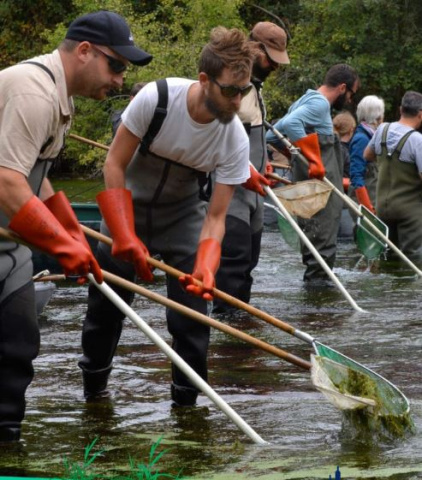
(380, 38)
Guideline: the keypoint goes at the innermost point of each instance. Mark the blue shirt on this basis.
(358, 164)
(311, 113)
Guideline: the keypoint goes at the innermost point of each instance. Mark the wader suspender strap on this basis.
(399, 146)
(160, 113)
(50, 139)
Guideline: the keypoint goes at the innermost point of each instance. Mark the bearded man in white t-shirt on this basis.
(152, 206)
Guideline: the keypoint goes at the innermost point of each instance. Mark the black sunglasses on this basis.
(115, 65)
(231, 91)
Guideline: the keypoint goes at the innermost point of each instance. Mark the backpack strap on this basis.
(160, 114)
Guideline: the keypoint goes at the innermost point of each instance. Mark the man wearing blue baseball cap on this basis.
(35, 113)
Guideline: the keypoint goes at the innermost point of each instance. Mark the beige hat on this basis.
(273, 38)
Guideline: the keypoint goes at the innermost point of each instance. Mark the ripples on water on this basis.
(275, 398)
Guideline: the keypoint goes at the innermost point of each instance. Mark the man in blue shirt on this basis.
(309, 126)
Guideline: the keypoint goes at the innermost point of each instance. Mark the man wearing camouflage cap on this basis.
(244, 221)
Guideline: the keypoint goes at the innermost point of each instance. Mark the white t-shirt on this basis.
(204, 147)
(412, 149)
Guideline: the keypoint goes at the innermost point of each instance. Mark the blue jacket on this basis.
(358, 165)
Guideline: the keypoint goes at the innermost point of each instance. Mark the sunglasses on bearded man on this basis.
(231, 91)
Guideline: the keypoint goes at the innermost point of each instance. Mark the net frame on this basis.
(390, 401)
(304, 199)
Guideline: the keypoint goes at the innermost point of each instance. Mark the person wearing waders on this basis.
(245, 217)
(397, 148)
(309, 126)
(36, 108)
(173, 133)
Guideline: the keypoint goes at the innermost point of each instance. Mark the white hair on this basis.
(370, 110)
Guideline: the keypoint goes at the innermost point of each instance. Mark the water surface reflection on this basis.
(275, 398)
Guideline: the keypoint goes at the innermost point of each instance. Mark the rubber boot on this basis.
(95, 384)
(183, 396)
(9, 435)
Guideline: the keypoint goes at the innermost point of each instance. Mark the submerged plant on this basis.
(77, 471)
(138, 470)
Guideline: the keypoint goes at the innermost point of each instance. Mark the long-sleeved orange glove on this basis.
(117, 210)
(269, 169)
(346, 184)
(255, 182)
(363, 198)
(309, 147)
(60, 207)
(38, 226)
(206, 265)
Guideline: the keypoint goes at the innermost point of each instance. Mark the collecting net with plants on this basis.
(364, 395)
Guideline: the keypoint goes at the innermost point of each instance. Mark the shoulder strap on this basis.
(402, 141)
(50, 73)
(160, 114)
(41, 65)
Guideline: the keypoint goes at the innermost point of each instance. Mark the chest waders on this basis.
(399, 197)
(169, 215)
(322, 228)
(19, 338)
(241, 245)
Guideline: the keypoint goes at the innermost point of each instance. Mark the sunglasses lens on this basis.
(246, 90)
(231, 91)
(115, 65)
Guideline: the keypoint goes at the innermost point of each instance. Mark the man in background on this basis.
(308, 124)
(245, 217)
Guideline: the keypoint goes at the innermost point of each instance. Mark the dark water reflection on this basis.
(276, 399)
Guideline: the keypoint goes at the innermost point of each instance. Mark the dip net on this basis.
(351, 387)
(304, 199)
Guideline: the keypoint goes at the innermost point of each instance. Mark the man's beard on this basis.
(340, 102)
(260, 73)
(221, 115)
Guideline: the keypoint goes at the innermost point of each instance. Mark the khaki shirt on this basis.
(250, 111)
(32, 109)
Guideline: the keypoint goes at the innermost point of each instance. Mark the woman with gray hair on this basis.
(363, 174)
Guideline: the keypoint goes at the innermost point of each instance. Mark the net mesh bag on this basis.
(367, 240)
(304, 199)
(352, 387)
(288, 232)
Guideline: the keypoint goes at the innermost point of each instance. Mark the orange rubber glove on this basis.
(346, 184)
(309, 147)
(206, 265)
(269, 169)
(38, 226)
(255, 182)
(363, 198)
(117, 210)
(60, 207)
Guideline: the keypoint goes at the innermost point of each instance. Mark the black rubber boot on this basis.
(95, 384)
(183, 396)
(9, 435)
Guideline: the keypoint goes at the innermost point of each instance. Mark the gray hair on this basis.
(411, 104)
(370, 110)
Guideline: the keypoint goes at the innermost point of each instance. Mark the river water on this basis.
(304, 432)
